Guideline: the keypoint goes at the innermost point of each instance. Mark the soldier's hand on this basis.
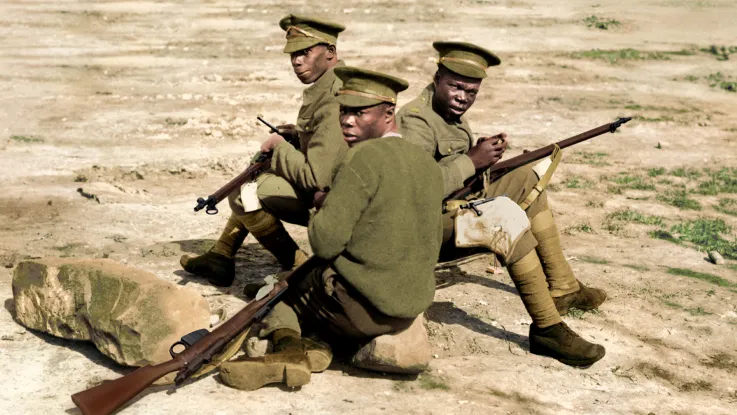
(488, 150)
(288, 131)
(319, 198)
(270, 144)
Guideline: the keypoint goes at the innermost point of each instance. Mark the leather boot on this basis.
(218, 269)
(251, 373)
(319, 355)
(585, 298)
(563, 344)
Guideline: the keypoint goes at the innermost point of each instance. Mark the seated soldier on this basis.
(296, 174)
(434, 121)
(378, 230)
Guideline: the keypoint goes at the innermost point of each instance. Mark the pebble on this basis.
(715, 258)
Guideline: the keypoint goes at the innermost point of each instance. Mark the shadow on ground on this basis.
(445, 312)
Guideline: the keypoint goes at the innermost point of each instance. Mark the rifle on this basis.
(498, 170)
(261, 163)
(200, 347)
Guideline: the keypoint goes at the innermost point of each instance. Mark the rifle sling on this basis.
(544, 180)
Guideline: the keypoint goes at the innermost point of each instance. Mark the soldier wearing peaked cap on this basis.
(297, 172)
(378, 230)
(548, 288)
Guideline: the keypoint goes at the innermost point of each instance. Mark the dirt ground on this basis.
(149, 104)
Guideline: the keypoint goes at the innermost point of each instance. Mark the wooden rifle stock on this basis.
(499, 169)
(107, 397)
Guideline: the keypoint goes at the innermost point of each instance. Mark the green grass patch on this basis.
(628, 215)
(723, 180)
(672, 304)
(429, 382)
(600, 23)
(637, 107)
(656, 171)
(706, 234)
(615, 56)
(686, 172)
(698, 311)
(594, 204)
(594, 260)
(653, 119)
(26, 139)
(632, 182)
(665, 236)
(728, 206)
(636, 267)
(720, 52)
(718, 80)
(590, 158)
(580, 228)
(703, 276)
(577, 182)
(679, 199)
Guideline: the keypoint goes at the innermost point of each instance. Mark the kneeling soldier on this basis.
(434, 121)
(379, 228)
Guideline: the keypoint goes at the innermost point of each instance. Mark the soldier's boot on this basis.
(559, 275)
(270, 233)
(319, 355)
(563, 344)
(549, 336)
(585, 298)
(218, 264)
(251, 373)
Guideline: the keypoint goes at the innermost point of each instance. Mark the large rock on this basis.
(407, 351)
(132, 316)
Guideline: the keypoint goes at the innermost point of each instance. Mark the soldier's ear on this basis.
(389, 112)
(332, 52)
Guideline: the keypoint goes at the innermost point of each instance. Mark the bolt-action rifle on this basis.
(260, 164)
(199, 349)
(497, 170)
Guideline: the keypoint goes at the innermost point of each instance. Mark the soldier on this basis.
(378, 230)
(296, 174)
(434, 121)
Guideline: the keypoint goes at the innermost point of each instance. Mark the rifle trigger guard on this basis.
(188, 340)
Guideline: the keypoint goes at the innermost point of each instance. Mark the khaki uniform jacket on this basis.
(381, 224)
(321, 144)
(447, 142)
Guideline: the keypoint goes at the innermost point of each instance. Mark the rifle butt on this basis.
(107, 397)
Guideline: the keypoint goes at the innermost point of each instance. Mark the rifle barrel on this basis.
(499, 169)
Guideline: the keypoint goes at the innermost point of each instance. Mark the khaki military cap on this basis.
(465, 58)
(364, 88)
(304, 32)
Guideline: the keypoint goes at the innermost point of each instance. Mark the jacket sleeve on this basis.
(331, 228)
(312, 170)
(455, 168)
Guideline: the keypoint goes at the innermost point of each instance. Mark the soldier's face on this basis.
(454, 94)
(311, 63)
(361, 124)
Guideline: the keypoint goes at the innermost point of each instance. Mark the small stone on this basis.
(7, 338)
(217, 134)
(716, 258)
(435, 356)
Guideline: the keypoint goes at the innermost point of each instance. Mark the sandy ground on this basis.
(149, 104)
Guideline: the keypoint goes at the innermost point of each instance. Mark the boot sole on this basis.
(249, 376)
(581, 363)
(318, 361)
